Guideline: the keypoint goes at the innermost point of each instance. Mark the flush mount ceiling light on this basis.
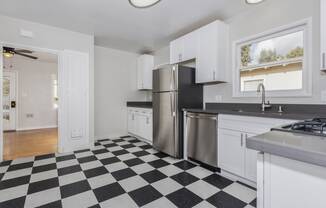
(143, 3)
(254, 1)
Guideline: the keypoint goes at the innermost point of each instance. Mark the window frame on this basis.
(306, 91)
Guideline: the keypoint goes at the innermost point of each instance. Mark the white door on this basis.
(9, 100)
(74, 101)
(231, 151)
(190, 46)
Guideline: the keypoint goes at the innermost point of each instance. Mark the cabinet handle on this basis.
(180, 57)
(214, 75)
(324, 60)
(147, 120)
(241, 139)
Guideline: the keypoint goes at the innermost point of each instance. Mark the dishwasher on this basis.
(202, 137)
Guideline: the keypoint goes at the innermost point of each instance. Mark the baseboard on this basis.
(237, 178)
(110, 136)
(36, 128)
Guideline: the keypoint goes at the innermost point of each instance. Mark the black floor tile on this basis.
(120, 152)
(69, 170)
(222, 199)
(1, 175)
(134, 141)
(110, 145)
(141, 153)
(161, 155)
(146, 147)
(123, 174)
(74, 188)
(42, 157)
(14, 203)
(185, 165)
(4, 184)
(66, 157)
(184, 178)
(184, 198)
(218, 181)
(87, 159)
(153, 176)
(43, 185)
(145, 195)
(117, 140)
(110, 160)
(81, 151)
(5, 163)
(127, 146)
(44, 168)
(100, 151)
(133, 162)
(56, 204)
(107, 192)
(20, 166)
(254, 203)
(159, 163)
(95, 172)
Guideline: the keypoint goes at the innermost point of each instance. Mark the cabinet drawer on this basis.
(254, 125)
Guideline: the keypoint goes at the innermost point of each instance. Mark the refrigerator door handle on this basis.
(171, 102)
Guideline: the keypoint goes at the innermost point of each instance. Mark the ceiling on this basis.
(116, 24)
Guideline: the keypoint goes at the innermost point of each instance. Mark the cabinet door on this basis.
(323, 34)
(131, 122)
(149, 128)
(190, 46)
(140, 73)
(206, 62)
(231, 151)
(176, 50)
(251, 161)
(148, 72)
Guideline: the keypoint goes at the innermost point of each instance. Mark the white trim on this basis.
(37, 128)
(110, 136)
(306, 26)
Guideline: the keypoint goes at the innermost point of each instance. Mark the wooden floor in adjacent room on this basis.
(30, 143)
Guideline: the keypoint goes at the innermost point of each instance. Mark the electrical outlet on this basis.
(323, 96)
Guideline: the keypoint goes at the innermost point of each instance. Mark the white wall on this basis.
(52, 38)
(35, 92)
(115, 84)
(266, 16)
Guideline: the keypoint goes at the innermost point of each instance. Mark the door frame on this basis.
(60, 90)
(16, 94)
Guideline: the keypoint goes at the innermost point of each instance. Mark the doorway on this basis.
(30, 102)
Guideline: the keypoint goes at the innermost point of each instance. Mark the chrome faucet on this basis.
(264, 105)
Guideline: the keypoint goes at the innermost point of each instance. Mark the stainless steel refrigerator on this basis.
(174, 88)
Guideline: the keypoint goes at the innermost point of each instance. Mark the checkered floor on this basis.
(118, 173)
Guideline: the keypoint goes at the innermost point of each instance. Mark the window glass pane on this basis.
(275, 62)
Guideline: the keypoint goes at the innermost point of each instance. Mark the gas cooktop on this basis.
(316, 127)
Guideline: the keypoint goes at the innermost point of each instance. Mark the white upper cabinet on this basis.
(212, 50)
(209, 46)
(323, 34)
(183, 48)
(145, 66)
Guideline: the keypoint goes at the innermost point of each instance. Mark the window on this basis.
(279, 59)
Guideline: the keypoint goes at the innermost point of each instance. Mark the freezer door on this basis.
(165, 79)
(165, 128)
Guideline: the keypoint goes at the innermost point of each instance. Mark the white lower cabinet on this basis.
(233, 156)
(140, 123)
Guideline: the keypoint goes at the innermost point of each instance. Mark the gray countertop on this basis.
(301, 147)
(267, 114)
(139, 104)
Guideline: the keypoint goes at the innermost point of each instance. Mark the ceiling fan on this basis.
(10, 52)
